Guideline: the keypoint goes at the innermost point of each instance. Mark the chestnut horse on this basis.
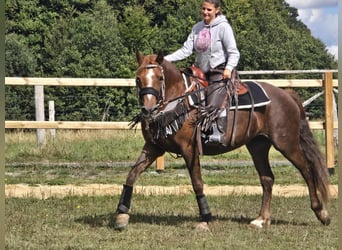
(280, 123)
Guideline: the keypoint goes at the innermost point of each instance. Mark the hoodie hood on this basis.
(219, 19)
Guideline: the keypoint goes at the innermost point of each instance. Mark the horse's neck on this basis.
(174, 84)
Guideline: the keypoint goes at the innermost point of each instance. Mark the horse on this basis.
(281, 123)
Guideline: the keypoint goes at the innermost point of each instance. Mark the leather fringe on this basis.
(165, 123)
(206, 117)
(168, 123)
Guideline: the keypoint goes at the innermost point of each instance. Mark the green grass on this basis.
(80, 157)
(164, 222)
(157, 222)
(86, 146)
(173, 175)
(74, 146)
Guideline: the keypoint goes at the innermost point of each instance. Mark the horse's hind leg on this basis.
(316, 181)
(259, 148)
(146, 158)
(296, 142)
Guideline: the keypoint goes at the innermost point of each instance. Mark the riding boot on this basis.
(218, 133)
(211, 124)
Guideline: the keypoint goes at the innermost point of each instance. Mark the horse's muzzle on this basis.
(149, 112)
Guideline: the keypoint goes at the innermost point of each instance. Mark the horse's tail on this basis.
(312, 152)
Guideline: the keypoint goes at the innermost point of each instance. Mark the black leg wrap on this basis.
(205, 214)
(125, 200)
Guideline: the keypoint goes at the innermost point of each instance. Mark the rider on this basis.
(216, 54)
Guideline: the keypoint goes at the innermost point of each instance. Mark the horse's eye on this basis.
(161, 78)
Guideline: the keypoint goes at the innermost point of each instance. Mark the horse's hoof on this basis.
(259, 223)
(326, 221)
(121, 221)
(202, 227)
(324, 218)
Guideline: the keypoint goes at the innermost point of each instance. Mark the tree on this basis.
(16, 48)
(91, 46)
(87, 38)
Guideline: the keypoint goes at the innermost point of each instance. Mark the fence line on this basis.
(70, 125)
(327, 82)
(117, 82)
(50, 81)
(102, 125)
(287, 72)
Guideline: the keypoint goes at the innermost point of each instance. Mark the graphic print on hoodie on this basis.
(203, 40)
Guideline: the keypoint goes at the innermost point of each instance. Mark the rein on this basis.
(153, 91)
(160, 95)
(196, 91)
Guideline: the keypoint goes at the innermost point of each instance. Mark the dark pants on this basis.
(211, 124)
(217, 92)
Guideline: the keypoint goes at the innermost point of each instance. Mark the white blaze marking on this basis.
(149, 80)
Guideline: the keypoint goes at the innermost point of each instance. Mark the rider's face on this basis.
(209, 12)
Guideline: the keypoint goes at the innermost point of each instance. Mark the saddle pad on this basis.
(259, 95)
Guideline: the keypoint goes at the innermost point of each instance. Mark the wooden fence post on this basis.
(40, 116)
(335, 121)
(329, 121)
(52, 118)
(160, 164)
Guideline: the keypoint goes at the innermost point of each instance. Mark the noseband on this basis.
(160, 95)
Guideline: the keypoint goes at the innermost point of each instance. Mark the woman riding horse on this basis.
(216, 55)
(281, 123)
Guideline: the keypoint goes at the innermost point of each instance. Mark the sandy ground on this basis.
(60, 191)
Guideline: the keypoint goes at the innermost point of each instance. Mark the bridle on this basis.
(160, 95)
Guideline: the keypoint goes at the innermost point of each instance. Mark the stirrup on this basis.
(216, 137)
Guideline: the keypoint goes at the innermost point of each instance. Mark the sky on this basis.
(321, 17)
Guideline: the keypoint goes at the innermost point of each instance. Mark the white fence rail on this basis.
(327, 83)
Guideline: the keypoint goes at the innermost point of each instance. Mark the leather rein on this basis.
(160, 95)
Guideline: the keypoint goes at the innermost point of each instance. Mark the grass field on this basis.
(157, 222)
(100, 146)
(77, 157)
(164, 222)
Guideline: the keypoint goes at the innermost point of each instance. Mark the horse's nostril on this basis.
(155, 108)
(144, 111)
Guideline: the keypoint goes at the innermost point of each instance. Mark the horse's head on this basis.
(150, 82)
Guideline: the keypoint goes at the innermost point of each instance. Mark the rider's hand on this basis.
(226, 74)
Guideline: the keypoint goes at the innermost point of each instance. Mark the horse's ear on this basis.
(160, 58)
(139, 57)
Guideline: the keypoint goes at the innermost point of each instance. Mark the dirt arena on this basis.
(60, 191)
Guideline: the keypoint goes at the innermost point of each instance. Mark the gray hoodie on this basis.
(209, 54)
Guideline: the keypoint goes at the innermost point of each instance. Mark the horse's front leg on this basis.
(259, 148)
(193, 164)
(146, 158)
